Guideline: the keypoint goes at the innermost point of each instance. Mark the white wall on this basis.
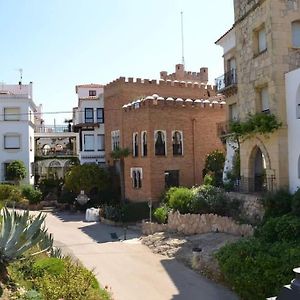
(23, 128)
(227, 42)
(83, 92)
(292, 82)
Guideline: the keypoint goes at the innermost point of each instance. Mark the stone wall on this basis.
(251, 206)
(189, 224)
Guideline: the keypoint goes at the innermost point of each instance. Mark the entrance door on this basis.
(171, 178)
(259, 172)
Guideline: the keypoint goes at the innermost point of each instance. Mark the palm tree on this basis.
(120, 154)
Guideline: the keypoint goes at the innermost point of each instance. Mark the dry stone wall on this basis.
(189, 224)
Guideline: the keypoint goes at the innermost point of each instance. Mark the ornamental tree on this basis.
(16, 171)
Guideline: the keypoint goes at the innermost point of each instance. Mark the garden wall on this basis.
(189, 224)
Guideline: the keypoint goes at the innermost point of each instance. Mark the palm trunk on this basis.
(3, 273)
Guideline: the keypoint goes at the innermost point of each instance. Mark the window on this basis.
(260, 40)
(100, 115)
(177, 143)
(135, 145)
(12, 141)
(92, 93)
(296, 34)
(30, 143)
(88, 142)
(171, 178)
(100, 142)
(233, 112)
(136, 177)
(160, 142)
(11, 114)
(5, 172)
(144, 143)
(115, 140)
(89, 115)
(264, 99)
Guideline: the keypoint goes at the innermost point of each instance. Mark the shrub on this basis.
(255, 269)
(296, 203)
(32, 295)
(10, 193)
(49, 265)
(214, 163)
(161, 214)
(285, 228)
(209, 179)
(112, 213)
(180, 199)
(16, 171)
(33, 195)
(277, 204)
(132, 212)
(78, 283)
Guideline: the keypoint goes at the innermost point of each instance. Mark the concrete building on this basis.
(169, 127)
(88, 121)
(263, 46)
(17, 120)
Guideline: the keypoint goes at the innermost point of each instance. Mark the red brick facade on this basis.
(194, 119)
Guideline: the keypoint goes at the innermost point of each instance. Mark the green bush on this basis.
(74, 282)
(10, 193)
(161, 214)
(255, 269)
(33, 195)
(209, 179)
(112, 213)
(49, 265)
(180, 199)
(277, 204)
(132, 212)
(296, 203)
(32, 295)
(284, 228)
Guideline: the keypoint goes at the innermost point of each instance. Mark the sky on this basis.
(62, 43)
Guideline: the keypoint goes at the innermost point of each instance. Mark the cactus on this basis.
(19, 233)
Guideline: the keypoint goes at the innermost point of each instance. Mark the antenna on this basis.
(21, 75)
(182, 40)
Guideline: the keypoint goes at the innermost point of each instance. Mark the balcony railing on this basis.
(223, 128)
(227, 80)
(55, 153)
(53, 128)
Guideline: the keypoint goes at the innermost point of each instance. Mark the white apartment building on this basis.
(88, 121)
(17, 119)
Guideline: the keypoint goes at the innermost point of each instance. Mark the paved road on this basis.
(128, 267)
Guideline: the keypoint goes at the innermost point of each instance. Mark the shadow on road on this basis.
(66, 216)
(204, 290)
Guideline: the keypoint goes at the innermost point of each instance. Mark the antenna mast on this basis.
(182, 40)
(21, 76)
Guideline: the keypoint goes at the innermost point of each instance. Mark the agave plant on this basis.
(19, 233)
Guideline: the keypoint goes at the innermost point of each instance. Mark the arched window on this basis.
(136, 176)
(135, 145)
(144, 143)
(296, 34)
(177, 143)
(160, 142)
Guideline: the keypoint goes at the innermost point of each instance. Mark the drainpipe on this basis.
(194, 157)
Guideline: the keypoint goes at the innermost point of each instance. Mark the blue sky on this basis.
(61, 43)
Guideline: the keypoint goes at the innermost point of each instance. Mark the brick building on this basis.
(169, 127)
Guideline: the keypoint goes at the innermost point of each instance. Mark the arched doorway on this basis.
(259, 169)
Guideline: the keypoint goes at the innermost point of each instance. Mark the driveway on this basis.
(131, 270)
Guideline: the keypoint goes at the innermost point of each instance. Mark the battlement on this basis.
(156, 100)
(161, 82)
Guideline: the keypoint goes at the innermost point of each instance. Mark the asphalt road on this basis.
(131, 270)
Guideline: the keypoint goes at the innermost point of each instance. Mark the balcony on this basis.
(54, 152)
(227, 83)
(53, 128)
(223, 128)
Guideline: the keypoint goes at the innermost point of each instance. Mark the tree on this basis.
(120, 154)
(214, 164)
(88, 177)
(16, 171)
(19, 233)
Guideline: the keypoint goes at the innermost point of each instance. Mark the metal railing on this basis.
(53, 128)
(55, 153)
(260, 184)
(226, 80)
